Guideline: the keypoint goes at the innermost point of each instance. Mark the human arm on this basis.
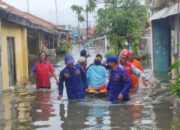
(57, 81)
(109, 83)
(142, 76)
(84, 79)
(136, 71)
(126, 85)
(60, 85)
(88, 75)
(31, 76)
(51, 70)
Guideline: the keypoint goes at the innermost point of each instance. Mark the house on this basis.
(165, 34)
(22, 37)
(145, 42)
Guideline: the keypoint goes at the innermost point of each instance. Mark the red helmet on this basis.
(130, 52)
(124, 52)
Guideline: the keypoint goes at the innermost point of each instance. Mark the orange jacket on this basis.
(134, 78)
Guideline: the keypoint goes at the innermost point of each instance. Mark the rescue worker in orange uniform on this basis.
(130, 68)
(137, 64)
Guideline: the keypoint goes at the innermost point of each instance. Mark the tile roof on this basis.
(27, 16)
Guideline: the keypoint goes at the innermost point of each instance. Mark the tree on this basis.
(122, 21)
(79, 10)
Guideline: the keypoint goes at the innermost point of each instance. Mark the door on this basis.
(11, 61)
(161, 45)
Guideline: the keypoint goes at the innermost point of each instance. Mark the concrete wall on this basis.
(20, 49)
(175, 39)
(159, 3)
(0, 59)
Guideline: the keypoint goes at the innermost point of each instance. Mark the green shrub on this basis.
(110, 52)
(175, 88)
(63, 47)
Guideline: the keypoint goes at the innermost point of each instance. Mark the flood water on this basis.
(150, 108)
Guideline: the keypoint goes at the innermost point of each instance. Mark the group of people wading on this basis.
(122, 71)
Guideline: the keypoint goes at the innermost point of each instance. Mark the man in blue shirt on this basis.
(119, 82)
(73, 77)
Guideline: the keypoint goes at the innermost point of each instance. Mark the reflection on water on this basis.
(151, 108)
(73, 116)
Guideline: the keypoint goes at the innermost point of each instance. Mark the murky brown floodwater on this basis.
(152, 108)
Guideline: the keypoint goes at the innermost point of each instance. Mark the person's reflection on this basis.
(120, 117)
(135, 111)
(73, 115)
(43, 108)
(98, 117)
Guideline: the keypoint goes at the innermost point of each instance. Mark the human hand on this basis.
(120, 96)
(57, 82)
(59, 97)
(86, 90)
(148, 83)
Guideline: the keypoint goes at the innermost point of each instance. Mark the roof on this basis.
(25, 18)
(165, 12)
(92, 30)
(60, 28)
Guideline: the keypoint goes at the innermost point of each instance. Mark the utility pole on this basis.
(28, 5)
(56, 12)
(87, 21)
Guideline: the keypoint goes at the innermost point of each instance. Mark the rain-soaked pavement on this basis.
(150, 108)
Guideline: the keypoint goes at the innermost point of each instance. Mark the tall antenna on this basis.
(28, 5)
(56, 12)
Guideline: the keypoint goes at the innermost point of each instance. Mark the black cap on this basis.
(83, 53)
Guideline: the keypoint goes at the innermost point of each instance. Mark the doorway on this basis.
(11, 61)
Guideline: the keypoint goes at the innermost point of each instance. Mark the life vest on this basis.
(128, 68)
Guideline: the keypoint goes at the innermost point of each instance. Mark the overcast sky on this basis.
(46, 10)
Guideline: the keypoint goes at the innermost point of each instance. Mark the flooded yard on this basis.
(150, 108)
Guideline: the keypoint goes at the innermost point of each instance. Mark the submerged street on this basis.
(133, 45)
(149, 108)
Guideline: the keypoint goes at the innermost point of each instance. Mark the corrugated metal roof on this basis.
(29, 17)
(165, 12)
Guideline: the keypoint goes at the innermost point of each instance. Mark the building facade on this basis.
(14, 52)
(165, 22)
(21, 38)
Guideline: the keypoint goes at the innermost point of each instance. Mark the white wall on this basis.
(0, 58)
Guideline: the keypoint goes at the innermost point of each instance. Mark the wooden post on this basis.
(53, 41)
